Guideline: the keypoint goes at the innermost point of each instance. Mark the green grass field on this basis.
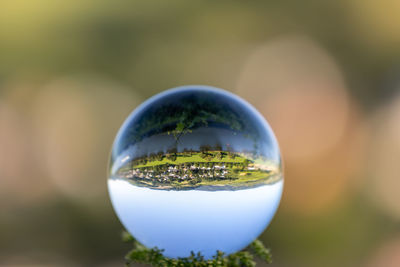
(195, 158)
(238, 175)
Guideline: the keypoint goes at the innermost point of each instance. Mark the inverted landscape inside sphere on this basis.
(196, 138)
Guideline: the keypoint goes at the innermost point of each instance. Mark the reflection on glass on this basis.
(195, 169)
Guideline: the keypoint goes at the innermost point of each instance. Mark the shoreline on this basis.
(225, 187)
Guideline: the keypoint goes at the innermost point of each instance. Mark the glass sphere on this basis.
(195, 169)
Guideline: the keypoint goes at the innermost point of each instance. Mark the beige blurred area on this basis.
(301, 91)
(289, 79)
(384, 182)
(17, 159)
(387, 254)
(74, 121)
(59, 137)
(325, 75)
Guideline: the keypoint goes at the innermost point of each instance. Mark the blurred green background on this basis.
(325, 74)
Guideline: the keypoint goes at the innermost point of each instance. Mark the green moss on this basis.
(141, 254)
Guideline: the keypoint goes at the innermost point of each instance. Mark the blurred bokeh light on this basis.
(388, 254)
(300, 90)
(324, 74)
(384, 170)
(73, 119)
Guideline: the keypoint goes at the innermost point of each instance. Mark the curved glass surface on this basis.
(195, 169)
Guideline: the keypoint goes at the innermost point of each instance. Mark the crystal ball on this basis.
(195, 169)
